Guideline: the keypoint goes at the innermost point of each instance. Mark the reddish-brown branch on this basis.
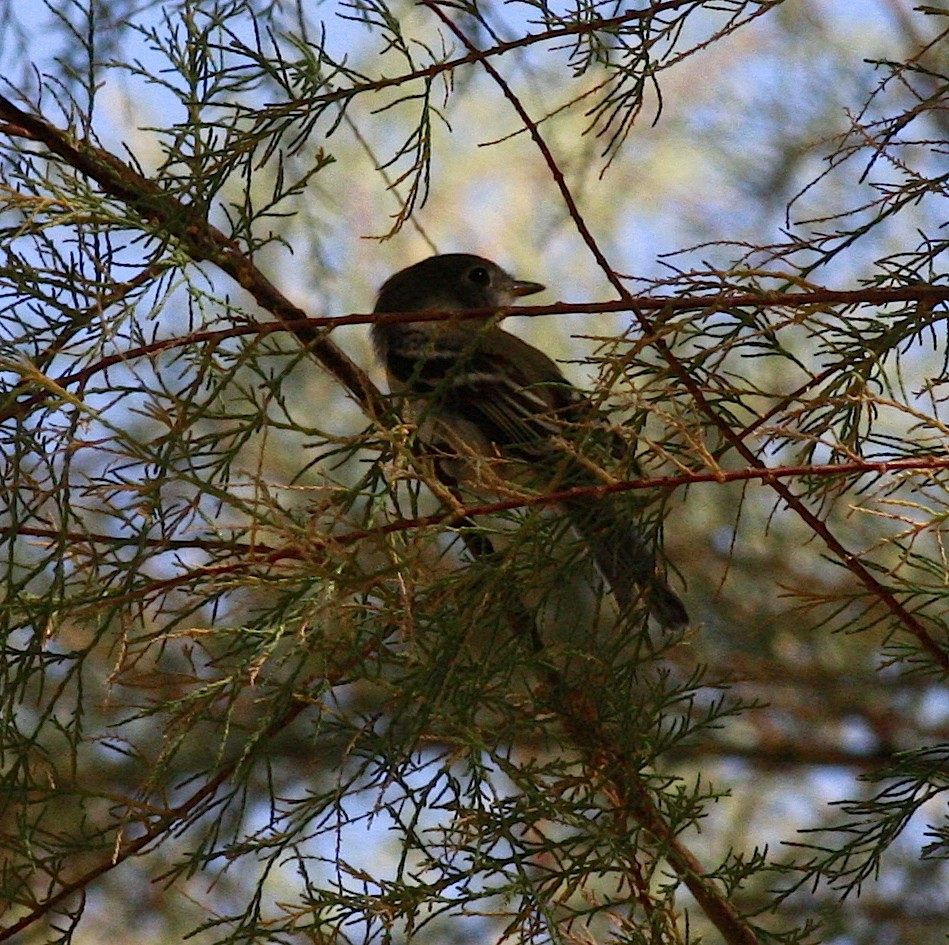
(452, 517)
(257, 554)
(30, 397)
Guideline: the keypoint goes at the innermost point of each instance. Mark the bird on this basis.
(490, 404)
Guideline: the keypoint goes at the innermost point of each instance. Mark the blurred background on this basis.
(385, 771)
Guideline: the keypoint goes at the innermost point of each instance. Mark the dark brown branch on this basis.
(474, 55)
(631, 798)
(197, 237)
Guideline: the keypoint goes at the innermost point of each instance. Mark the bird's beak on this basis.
(519, 288)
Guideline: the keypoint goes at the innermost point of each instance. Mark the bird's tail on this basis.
(624, 557)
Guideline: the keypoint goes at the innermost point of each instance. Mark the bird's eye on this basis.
(480, 276)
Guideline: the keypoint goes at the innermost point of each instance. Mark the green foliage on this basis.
(264, 679)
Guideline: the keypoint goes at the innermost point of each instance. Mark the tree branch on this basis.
(196, 236)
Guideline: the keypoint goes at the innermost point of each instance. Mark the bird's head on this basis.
(452, 282)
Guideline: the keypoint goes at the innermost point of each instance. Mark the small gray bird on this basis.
(488, 403)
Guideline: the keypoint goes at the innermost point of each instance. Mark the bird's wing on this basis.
(509, 389)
